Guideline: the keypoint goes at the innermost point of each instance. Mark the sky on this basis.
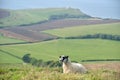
(95, 8)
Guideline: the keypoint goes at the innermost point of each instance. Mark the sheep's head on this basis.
(63, 58)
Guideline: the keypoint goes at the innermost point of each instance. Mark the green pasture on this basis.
(6, 58)
(50, 50)
(30, 16)
(113, 29)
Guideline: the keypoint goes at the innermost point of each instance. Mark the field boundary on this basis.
(97, 60)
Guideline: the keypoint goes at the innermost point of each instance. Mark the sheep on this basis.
(69, 67)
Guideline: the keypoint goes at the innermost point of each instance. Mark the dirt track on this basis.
(33, 33)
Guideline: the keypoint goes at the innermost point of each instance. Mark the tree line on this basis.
(39, 62)
(101, 36)
(64, 16)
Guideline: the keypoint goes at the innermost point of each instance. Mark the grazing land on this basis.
(112, 29)
(77, 49)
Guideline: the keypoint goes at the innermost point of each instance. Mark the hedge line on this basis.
(40, 63)
(64, 16)
(100, 60)
(101, 36)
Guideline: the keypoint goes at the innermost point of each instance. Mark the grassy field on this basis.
(113, 29)
(28, 72)
(30, 16)
(51, 50)
(77, 49)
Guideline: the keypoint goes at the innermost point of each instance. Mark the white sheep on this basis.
(69, 67)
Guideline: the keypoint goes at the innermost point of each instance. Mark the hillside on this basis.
(32, 16)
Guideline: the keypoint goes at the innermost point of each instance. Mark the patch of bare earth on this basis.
(11, 34)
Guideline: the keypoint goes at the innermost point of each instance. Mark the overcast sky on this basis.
(96, 8)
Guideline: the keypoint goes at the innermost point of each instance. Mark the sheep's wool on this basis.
(73, 68)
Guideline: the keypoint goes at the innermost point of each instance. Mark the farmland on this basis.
(84, 30)
(76, 49)
(58, 47)
(35, 33)
(5, 40)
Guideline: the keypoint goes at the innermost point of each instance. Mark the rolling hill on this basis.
(84, 48)
(32, 16)
(47, 29)
(78, 49)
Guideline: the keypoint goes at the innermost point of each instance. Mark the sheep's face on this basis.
(63, 58)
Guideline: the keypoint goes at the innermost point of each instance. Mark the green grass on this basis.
(6, 58)
(113, 29)
(29, 16)
(5, 40)
(76, 49)
(27, 72)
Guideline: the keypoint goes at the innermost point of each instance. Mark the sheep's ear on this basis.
(67, 56)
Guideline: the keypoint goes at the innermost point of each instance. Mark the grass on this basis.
(28, 72)
(76, 49)
(30, 16)
(6, 58)
(113, 29)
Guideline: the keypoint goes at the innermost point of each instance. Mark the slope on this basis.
(31, 16)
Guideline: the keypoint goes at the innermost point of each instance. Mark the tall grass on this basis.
(27, 72)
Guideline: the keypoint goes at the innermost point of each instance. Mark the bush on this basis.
(35, 62)
(101, 36)
(64, 16)
(26, 58)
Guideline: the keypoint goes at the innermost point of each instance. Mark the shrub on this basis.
(35, 62)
